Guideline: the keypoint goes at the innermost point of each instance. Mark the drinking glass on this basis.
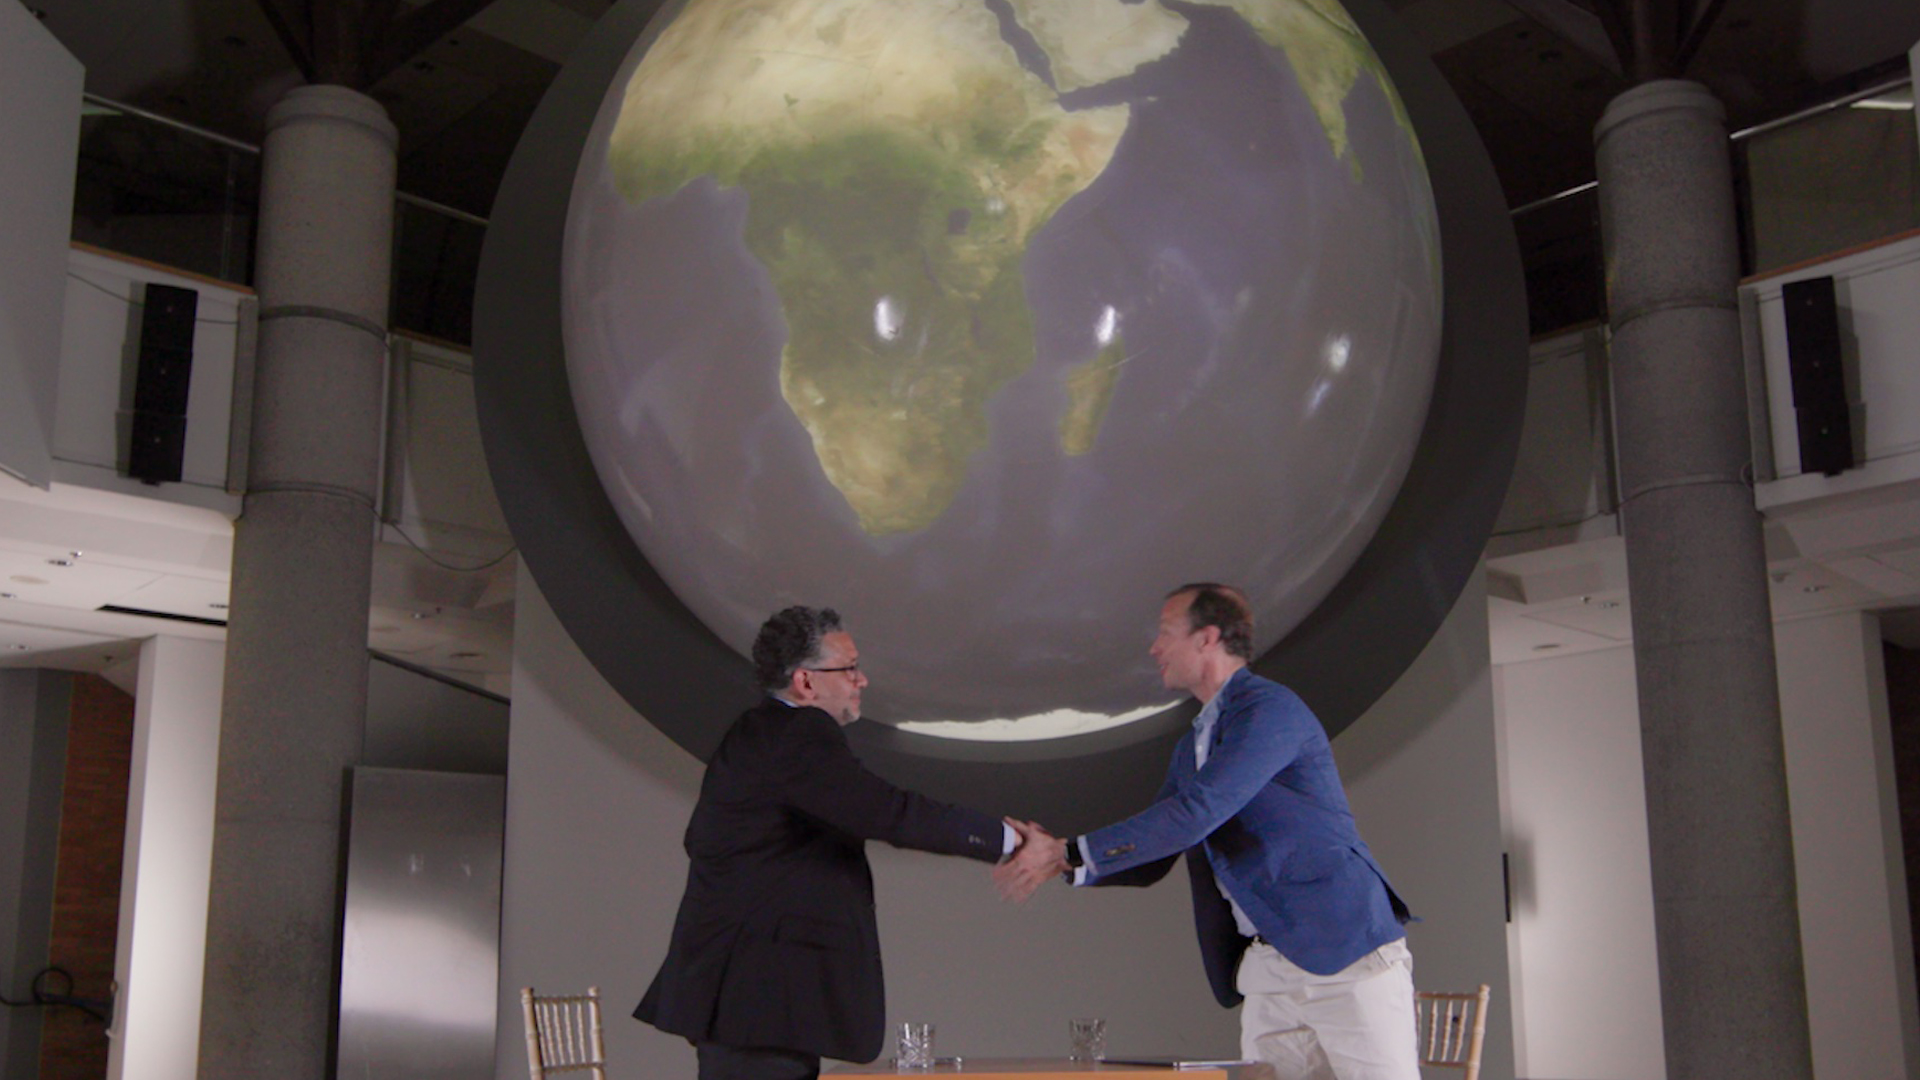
(1088, 1038)
(916, 1046)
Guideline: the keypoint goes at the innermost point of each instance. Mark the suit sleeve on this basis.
(822, 779)
(1262, 737)
(1147, 873)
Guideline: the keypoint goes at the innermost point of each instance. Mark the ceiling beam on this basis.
(409, 35)
(1641, 39)
(1702, 19)
(292, 24)
(355, 43)
(1578, 27)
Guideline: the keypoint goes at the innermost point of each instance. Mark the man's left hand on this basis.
(1040, 856)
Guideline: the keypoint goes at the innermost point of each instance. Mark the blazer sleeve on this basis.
(1261, 735)
(820, 777)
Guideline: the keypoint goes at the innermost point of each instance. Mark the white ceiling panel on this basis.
(195, 598)
(80, 583)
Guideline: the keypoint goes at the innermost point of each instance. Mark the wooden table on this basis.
(1057, 1069)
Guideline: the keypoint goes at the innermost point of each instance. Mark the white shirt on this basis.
(1202, 745)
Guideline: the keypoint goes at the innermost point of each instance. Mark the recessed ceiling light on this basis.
(466, 655)
(217, 606)
(59, 562)
(9, 596)
(76, 554)
(1816, 587)
(16, 648)
(421, 615)
(1546, 646)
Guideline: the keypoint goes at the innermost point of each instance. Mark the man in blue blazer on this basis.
(775, 956)
(1293, 913)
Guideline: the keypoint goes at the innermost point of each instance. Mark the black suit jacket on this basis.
(775, 944)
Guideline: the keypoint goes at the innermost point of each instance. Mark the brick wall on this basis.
(86, 900)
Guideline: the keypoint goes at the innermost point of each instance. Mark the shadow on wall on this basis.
(1453, 667)
(563, 676)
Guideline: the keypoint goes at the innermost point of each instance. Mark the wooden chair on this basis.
(563, 1033)
(1452, 1029)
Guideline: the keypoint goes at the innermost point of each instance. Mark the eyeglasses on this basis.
(850, 669)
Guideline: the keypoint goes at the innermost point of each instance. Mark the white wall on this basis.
(1584, 955)
(597, 801)
(1854, 930)
(1420, 774)
(1879, 323)
(40, 85)
(161, 954)
(99, 345)
(1586, 984)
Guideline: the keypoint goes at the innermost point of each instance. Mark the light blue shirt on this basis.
(1202, 744)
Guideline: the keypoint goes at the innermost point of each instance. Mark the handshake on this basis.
(1041, 855)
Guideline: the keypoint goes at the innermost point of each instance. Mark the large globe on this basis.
(989, 321)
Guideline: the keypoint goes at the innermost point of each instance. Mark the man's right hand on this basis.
(1040, 856)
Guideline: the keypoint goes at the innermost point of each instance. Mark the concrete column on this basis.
(1733, 996)
(1913, 69)
(296, 671)
(158, 958)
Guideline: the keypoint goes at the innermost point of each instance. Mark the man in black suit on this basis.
(775, 956)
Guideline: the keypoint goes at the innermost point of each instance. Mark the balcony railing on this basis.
(1828, 178)
(1825, 179)
(158, 189)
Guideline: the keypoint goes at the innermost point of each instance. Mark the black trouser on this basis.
(719, 1062)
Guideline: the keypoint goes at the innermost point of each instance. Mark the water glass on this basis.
(916, 1047)
(1088, 1038)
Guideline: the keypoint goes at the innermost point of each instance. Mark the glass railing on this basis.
(1809, 185)
(187, 198)
(167, 192)
(1820, 181)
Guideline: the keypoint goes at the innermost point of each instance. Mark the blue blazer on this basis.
(1268, 819)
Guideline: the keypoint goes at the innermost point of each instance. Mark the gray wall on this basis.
(33, 756)
(418, 721)
(1422, 774)
(597, 800)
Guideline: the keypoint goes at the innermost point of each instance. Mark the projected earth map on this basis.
(988, 321)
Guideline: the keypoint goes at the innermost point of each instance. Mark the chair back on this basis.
(1452, 1028)
(563, 1034)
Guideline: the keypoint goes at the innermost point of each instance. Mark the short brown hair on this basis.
(1224, 607)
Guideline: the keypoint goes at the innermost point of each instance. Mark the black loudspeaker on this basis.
(162, 374)
(1821, 410)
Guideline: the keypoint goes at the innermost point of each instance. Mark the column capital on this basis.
(336, 103)
(1657, 96)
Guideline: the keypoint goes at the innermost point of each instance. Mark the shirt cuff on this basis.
(1083, 873)
(1008, 839)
